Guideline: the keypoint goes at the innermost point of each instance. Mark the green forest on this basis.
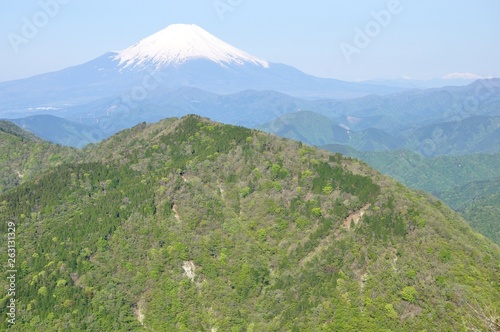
(23, 155)
(467, 183)
(192, 225)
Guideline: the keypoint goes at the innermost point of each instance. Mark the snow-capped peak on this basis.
(462, 76)
(179, 43)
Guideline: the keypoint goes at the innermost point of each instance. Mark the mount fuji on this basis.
(178, 56)
(180, 43)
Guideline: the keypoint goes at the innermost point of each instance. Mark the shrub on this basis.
(409, 294)
(317, 212)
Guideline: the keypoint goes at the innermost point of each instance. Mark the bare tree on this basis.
(481, 317)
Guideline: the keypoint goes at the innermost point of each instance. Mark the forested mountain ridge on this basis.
(469, 135)
(23, 155)
(434, 175)
(479, 204)
(468, 184)
(192, 225)
(432, 122)
(7, 127)
(59, 130)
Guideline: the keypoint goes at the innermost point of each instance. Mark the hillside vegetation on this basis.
(433, 175)
(479, 204)
(23, 155)
(190, 225)
(469, 184)
(467, 135)
(444, 121)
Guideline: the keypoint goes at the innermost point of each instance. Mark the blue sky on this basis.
(419, 38)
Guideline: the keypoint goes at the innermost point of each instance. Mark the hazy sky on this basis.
(328, 38)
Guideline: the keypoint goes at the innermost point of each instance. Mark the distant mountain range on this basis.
(59, 130)
(451, 120)
(453, 79)
(183, 69)
(179, 56)
(470, 135)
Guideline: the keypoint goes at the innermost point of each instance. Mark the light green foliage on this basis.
(42, 291)
(307, 173)
(327, 190)
(24, 156)
(277, 186)
(390, 312)
(109, 238)
(409, 294)
(261, 234)
(245, 191)
(61, 283)
(469, 183)
(303, 222)
(317, 212)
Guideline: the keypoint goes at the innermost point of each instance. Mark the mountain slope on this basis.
(180, 43)
(315, 129)
(468, 136)
(434, 175)
(58, 130)
(414, 108)
(474, 134)
(469, 184)
(479, 204)
(192, 225)
(24, 156)
(9, 128)
(308, 127)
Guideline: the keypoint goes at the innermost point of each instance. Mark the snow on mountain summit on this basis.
(179, 43)
(462, 76)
